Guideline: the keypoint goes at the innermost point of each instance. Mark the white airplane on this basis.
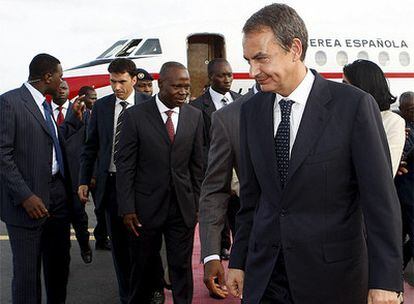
(332, 44)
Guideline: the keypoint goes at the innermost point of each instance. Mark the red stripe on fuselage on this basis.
(99, 81)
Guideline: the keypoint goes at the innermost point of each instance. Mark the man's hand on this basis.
(35, 207)
(379, 296)
(83, 192)
(78, 107)
(132, 223)
(214, 269)
(402, 168)
(235, 281)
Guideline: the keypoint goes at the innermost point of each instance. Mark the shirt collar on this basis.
(37, 96)
(163, 108)
(130, 99)
(64, 106)
(301, 93)
(217, 97)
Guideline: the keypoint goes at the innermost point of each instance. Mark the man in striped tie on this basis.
(104, 130)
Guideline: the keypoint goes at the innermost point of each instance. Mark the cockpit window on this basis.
(129, 48)
(150, 47)
(113, 49)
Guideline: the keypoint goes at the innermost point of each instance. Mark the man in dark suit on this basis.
(104, 130)
(217, 191)
(405, 182)
(160, 172)
(319, 220)
(62, 110)
(100, 232)
(35, 184)
(217, 96)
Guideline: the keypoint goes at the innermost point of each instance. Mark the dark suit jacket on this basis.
(206, 105)
(149, 167)
(339, 176)
(98, 146)
(223, 156)
(26, 155)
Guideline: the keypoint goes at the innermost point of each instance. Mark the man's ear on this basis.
(296, 49)
(47, 78)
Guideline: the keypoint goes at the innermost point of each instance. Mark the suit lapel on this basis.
(265, 134)
(157, 121)
(312, 124)
(182, 125)
(109, 112)
(31, 105)
(208, 104)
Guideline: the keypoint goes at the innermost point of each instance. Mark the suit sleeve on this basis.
(10, 175)
(378, 197)
(215, 190)
(196, 163)
(90, 150)
(70, 126)
(126, 164)
(249, 197)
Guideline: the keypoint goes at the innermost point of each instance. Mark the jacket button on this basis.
(283, 212)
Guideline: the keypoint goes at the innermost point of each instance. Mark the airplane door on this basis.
(201, 48)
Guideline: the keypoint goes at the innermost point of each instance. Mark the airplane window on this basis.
(404, 58)
(150, 47)
(341, 58)
(320, 58)
(363, 55)
(129, 48)
(384, 58)
(113, 49)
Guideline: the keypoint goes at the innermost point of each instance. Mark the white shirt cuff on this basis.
(211, 258)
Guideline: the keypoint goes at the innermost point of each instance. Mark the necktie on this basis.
(60, 118)
(282, 140)
(119, 122)
(225, 101)
(170, 126)
(49, 123)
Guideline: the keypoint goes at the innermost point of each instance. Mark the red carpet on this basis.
(201, 293)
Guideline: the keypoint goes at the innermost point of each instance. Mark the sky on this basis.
(77, 31)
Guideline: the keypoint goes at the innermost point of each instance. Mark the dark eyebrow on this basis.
(260, 54)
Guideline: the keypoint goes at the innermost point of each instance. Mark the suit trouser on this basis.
(230, 223)
(408, 229)
(48, 243)
(80, 222)
(119, 238)
(179, 244)
(278, 291)
(100, 232)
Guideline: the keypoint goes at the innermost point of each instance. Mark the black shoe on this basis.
(225, 254)
(158, 297)
(103, 245)
(86, 254)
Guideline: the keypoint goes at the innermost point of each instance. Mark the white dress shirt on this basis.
(65, 108)
(299, 96)
(394, 126)
(218, 97)
(162, 108)
(39, 99)
(118, 108)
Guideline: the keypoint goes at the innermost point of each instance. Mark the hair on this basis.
(214, 63)
(122, 65)
(406, 97)
(42, 64)
(84, 90)
(166, 67)
(284, 22)
(369, 77)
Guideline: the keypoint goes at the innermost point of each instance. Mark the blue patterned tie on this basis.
(50, 125)
(282, 140)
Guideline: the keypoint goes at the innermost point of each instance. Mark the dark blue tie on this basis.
(50, 125)
(282, 140)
